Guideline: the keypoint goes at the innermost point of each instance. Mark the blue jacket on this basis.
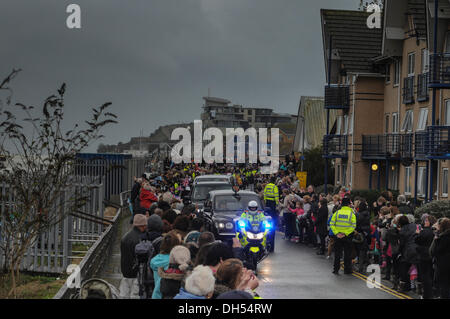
(183, 294)
(160, 260)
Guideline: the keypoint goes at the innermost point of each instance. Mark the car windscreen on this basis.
(234, 203)
(201, 191)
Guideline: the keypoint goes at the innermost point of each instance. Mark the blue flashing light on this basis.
(241, 224)
(267, 225)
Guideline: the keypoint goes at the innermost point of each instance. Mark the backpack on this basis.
(143, 251)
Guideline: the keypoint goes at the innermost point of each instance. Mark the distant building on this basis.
(218, 112)
(312, 123)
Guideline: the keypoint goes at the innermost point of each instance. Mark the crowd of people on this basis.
(413, 255)
(188, 262)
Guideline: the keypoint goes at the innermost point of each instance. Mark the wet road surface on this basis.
(294, 271)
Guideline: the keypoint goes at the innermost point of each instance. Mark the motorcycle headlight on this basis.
(254, 236)
(259, 236)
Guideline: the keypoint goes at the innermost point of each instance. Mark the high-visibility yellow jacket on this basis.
(343, 221)
(257, 218)
(271, 192)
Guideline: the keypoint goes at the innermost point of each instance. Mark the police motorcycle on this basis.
(252, 233)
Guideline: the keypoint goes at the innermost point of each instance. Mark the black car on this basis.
(222, 209)
(200, 192)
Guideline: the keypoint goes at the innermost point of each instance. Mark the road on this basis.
(294, 271)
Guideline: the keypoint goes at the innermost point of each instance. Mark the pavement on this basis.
(111, 271)
(294, 271)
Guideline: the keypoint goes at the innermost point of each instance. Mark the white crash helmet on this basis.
(253, 206)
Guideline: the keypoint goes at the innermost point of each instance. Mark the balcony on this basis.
(337, 97)
(438, 142)
(408, 90)
(335, 146)
(422, 87)
(420, 145)
(439, 75)
(387, 146)
(434, 143)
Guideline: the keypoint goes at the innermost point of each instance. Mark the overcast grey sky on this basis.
(156, 59)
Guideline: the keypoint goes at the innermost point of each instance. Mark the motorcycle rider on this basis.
(253, 216)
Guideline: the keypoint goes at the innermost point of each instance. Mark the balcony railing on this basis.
(335, 146)
(337, 97)
(433, 143)
(439, 142)
(420, 144)
(407, 146)
(422, 87)
(439, 75)
(387, 146)
(408, 90)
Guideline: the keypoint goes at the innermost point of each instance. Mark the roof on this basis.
(212, 176)
(216, 99)
(355, 43)
(230, 192)
(313, 111)
(417, 8)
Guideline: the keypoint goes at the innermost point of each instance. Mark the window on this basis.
(338, 125)
(345, 130)
(423, 117)
(408, 171)
(408, 121)
(411, 64)
(425, 60)
(344, 174)
(388, 73)
(445, 182)
(386, 123)
(394, 122)
(397, 72)
(421, 180)
(446, 120)
(338, 175)
(447, 42)
(350, 128)
(393, 177)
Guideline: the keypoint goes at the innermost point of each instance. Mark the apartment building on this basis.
(402, 140)
(354, 90)
(218, 112)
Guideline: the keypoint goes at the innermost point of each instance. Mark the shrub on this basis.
(436, 208)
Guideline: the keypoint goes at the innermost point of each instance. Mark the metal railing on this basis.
(95, 258)
(438, 141)
(434, 142)
(439, 75)
(408, 90)
(420, 144)
(335, 146)
(52, 250)
(337, 97)
(387, 146)
(422, 87)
